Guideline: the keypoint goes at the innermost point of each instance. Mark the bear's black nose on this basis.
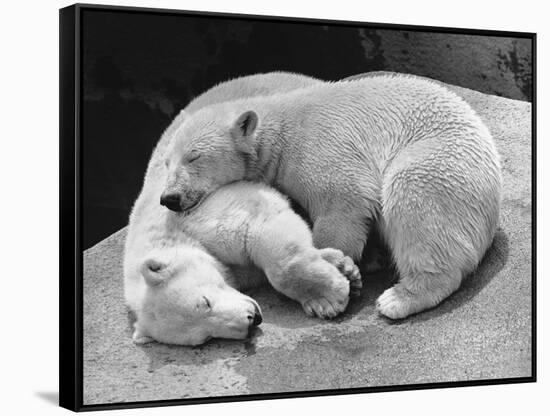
(256, 319)
(171, 201)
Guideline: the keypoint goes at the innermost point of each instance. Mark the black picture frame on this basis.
(71, 211)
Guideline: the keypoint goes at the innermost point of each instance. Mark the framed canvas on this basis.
(257, 207)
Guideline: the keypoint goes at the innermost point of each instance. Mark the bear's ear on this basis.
(154, 271)
(244, 128)
(140, 337)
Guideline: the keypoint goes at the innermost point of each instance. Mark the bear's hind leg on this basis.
(438, 223)
(416, 292)
(337, 230)
(429, 250)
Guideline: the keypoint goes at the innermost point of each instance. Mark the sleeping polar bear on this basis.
(179, 269)
(398, 151)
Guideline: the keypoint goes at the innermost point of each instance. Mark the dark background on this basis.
(140, 69)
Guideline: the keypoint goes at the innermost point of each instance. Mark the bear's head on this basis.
(187, 301)
(211, 148)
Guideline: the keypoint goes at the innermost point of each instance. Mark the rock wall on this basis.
(498, 66)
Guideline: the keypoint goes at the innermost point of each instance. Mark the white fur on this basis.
(398, 151)
(238, 88)
(172, 262)
(242, 224)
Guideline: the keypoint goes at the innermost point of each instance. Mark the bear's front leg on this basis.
(316, 283)
(342, 231)
(319, 280)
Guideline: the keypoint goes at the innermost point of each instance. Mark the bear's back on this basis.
(390, 96)
(373, 116)
(251, 86)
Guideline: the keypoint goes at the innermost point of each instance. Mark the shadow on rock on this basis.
(161, 355)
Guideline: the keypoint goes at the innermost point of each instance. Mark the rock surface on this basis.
(481, 332)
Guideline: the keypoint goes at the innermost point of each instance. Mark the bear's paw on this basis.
(346, 266)
(397, 302)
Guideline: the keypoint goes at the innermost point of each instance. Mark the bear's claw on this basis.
(347, 267)
(323, 308)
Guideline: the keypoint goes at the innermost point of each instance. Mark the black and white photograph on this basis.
(273, 207)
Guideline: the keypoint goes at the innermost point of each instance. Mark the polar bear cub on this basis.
(400, 152)
(178, 286)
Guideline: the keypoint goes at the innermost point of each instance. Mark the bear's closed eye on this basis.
(193, 156)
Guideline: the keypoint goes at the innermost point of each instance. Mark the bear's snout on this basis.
(255, 319)
(171, 201)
